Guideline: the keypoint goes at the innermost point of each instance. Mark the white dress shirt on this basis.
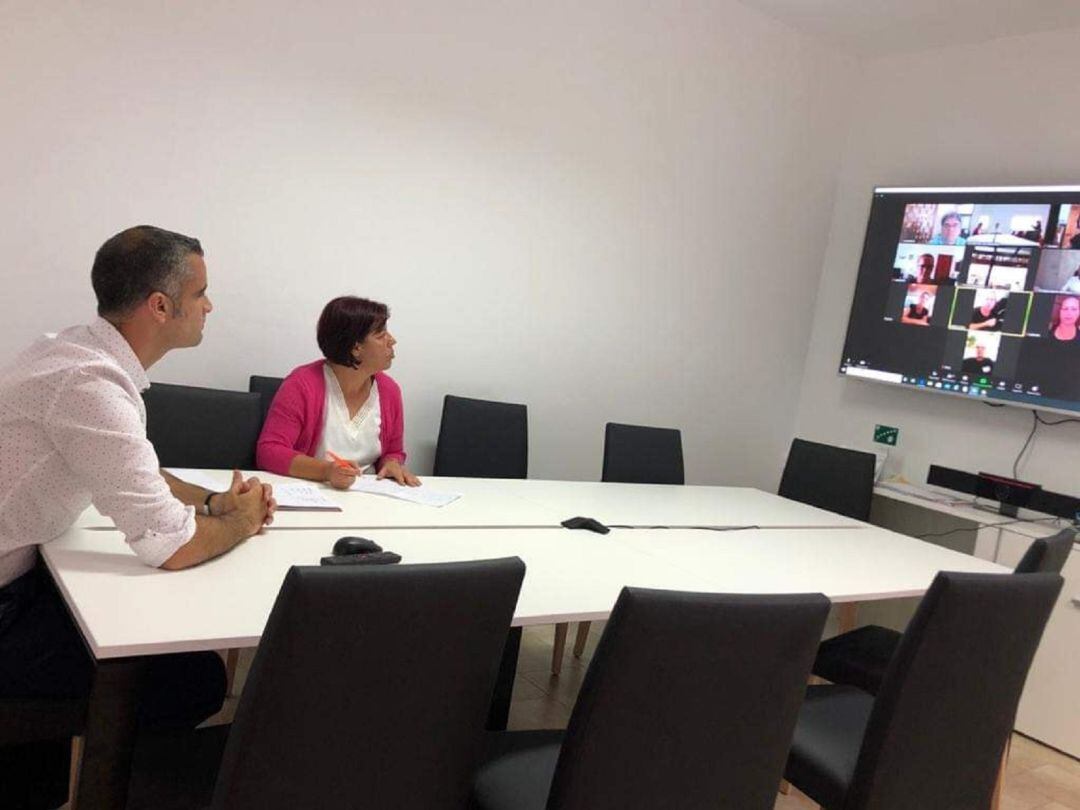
(73, 432)
(358, 439)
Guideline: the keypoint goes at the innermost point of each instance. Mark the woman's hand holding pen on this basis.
(340, 473)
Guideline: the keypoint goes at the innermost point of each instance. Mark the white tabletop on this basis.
(125, 608)
(484, 502)
(672, 506)
(847, 565)
(519, 502)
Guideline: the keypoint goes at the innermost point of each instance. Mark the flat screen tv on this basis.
(971, 292)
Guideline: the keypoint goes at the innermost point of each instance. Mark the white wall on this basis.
(1001, 113)
(564, 204)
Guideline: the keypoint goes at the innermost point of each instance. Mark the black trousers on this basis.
(42, 655)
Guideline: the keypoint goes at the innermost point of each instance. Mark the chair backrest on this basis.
(690, 702)
(948, 699)
(265, 387)
(202, 427)
(1047, 555)
(642, 455)
(829, 477)
(482, 439)
(371, 687)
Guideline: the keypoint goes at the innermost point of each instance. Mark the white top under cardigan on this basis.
(356, 439)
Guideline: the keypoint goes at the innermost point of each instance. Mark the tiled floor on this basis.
(1038, 778)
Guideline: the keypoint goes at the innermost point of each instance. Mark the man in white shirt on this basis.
(73, 432)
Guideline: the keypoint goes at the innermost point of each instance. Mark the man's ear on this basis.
(160, 306)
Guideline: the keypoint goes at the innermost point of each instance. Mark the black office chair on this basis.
(265, 387)
(704, 722)
(934, 736)
(39, 740)
(829, 477)
(860, 657)
(482, 439)
(370, 689)
(203, 427)
(632, 455)
(642, 455)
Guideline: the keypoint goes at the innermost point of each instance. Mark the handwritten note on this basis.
(303, 496)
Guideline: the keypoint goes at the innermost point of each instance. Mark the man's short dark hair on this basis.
(137, 262)
(346, 321)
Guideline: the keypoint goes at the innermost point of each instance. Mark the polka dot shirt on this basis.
(72, 433)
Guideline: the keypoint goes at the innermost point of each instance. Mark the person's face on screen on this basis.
(1069, 313)
(980, 351)
(950, 230)
(924, 300)
(190, 311)
(376, 351)
(926, 266)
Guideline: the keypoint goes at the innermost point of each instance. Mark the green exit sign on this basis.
(883, 434)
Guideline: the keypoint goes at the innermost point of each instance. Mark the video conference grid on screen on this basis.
(971, 292)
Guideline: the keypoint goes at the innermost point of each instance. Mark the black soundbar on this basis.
(1021, 493)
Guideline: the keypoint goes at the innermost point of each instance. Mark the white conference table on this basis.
(127, 611)
(537, 503)
(124, 608)
(484, 503)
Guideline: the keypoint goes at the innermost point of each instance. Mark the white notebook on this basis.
(292, 496)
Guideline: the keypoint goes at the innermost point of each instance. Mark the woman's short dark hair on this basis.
(346, 321)
(137, 262)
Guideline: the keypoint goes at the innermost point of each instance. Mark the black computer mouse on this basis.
(355, 545)
(592, 524)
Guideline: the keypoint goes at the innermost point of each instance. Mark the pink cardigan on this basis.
(294, 423)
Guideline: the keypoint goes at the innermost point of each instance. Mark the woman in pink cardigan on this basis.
(332, 418)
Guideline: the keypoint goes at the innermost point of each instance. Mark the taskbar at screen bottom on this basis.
(976, 387)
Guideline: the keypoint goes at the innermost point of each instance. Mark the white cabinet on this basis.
(1050, 707)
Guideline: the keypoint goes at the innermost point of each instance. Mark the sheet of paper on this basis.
(423, 494)
(303, 496)
(200, 478)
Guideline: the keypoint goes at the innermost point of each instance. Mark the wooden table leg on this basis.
(73, 771)
(109, 737)
(560, 647)
(232, 660)
(581, 637)
(847, 614)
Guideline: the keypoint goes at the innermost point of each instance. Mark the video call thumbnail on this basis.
(923, 264)
(980, 354)
(990, 310)
(1059, 271)
(1063, 324)
(1005, 268)
(1010, 224)
(919, 304)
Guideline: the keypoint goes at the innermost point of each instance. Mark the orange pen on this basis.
(340, 462)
